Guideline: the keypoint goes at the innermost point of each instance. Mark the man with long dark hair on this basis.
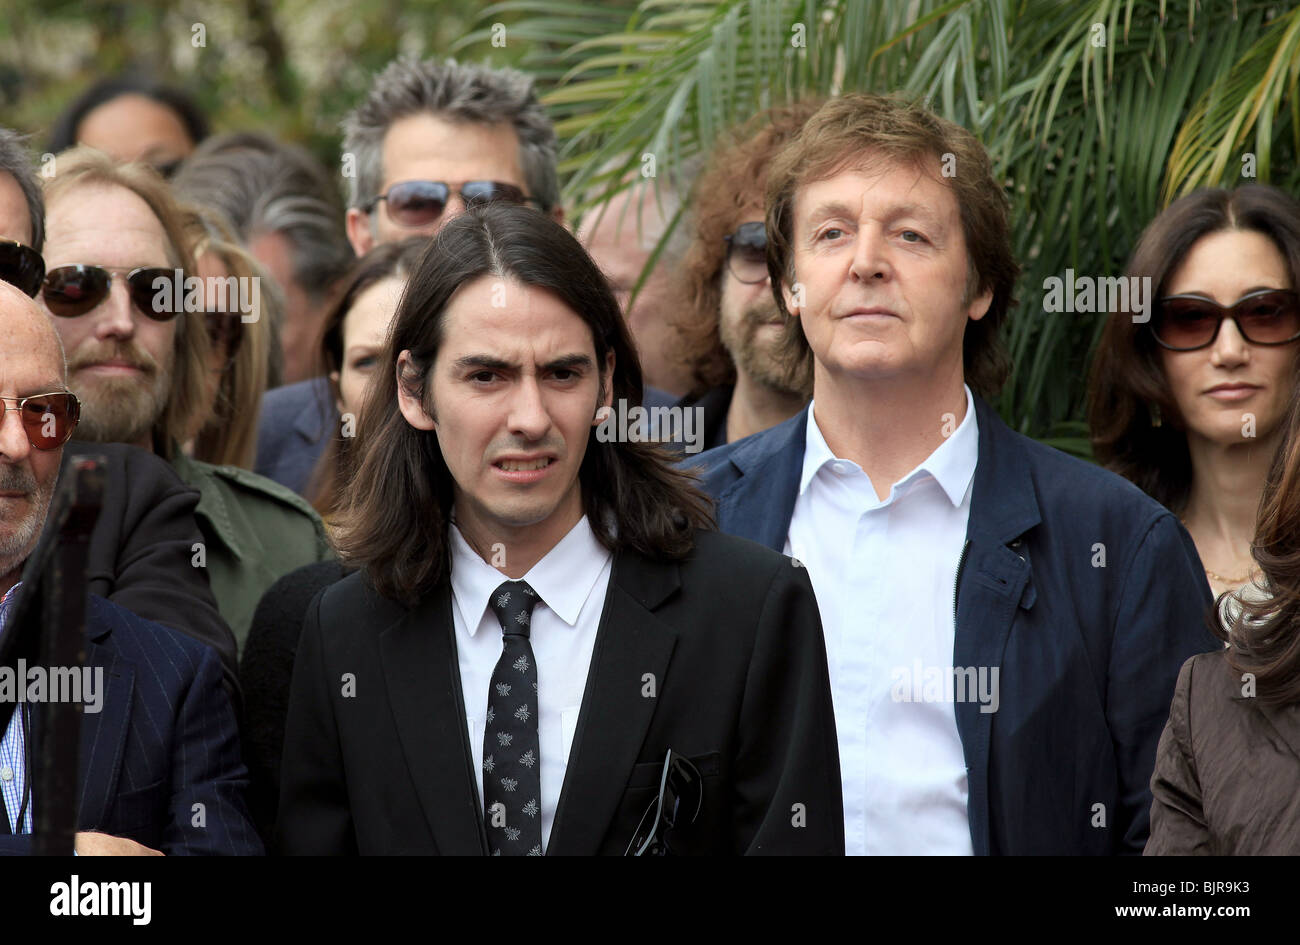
(546, 650)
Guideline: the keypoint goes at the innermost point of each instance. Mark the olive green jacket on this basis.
(254, 531)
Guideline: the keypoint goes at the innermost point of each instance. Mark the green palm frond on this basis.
(1259, 86)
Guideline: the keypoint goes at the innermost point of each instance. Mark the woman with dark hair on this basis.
(352, 342)
(133, 118)
(1229, 758)
(1188, 391)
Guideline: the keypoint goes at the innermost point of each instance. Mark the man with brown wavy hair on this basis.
(1004, 623)
(730, 325)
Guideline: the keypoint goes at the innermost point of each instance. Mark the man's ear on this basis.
(359, 235)
(979, 306)
(410, 406)
(793, 298)
(607, 390)
(557, 214)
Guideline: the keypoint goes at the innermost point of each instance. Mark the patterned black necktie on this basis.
(512, 779)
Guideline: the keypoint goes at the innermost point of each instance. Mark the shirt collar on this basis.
(7, 603)
(952, 464)
(563, 579)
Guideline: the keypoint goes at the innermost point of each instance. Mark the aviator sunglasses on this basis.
(1191, 322)
(420, 202)
(49, 419)
(21, 266)
(747, 252)
(70, 291)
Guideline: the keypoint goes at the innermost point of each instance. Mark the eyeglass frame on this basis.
(39, 259)
(654, 844)
(74, 415)
(113, 272)
(731, 246)
(372, 205)
(1225, 312)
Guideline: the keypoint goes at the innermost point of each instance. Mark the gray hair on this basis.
(260, 185)
(17, 163)
(456, 93)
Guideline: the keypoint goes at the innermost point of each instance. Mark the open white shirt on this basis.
(571, 580)
(884, 574)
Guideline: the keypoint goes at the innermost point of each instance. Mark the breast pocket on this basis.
(648, 774)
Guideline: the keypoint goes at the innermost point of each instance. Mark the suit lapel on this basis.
(423, 679)
(632, 644)
(769, 465)
(994, 583)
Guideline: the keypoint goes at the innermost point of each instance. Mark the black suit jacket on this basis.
(141, 549)
(732, 639)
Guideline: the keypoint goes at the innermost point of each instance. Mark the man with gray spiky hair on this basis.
(433, 136)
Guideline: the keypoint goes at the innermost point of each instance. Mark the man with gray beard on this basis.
(730, 328)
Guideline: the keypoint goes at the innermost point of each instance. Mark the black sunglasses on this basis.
(70, 291)
(22, 266)
(1191, 322)
(49, 419)
(747, 252)
(421, 202)
(681, 794)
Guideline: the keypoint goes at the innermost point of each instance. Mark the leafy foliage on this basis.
(1096, 114)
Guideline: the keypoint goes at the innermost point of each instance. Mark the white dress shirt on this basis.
(571, 580)
(884, 574)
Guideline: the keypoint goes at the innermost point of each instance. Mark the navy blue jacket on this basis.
(165, 739)
(1088, 655)
(293, 430)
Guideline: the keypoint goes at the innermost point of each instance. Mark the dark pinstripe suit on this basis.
(165, 740)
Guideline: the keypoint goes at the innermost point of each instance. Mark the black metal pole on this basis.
(63, 646)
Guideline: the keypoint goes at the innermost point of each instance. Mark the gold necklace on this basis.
(1219, 577)
(1225, 580)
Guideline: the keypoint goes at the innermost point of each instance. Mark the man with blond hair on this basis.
(117, 285)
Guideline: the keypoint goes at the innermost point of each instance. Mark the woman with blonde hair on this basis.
(242, 320)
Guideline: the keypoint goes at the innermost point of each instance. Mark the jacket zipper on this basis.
(956, 587)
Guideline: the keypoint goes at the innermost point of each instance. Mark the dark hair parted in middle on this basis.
(1127, 383)
(857, 131)
(395, 528)
(385, 261)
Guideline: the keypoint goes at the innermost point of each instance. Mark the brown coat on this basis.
(1227, 776)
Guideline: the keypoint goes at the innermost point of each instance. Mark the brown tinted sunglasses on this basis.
(49, 419)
